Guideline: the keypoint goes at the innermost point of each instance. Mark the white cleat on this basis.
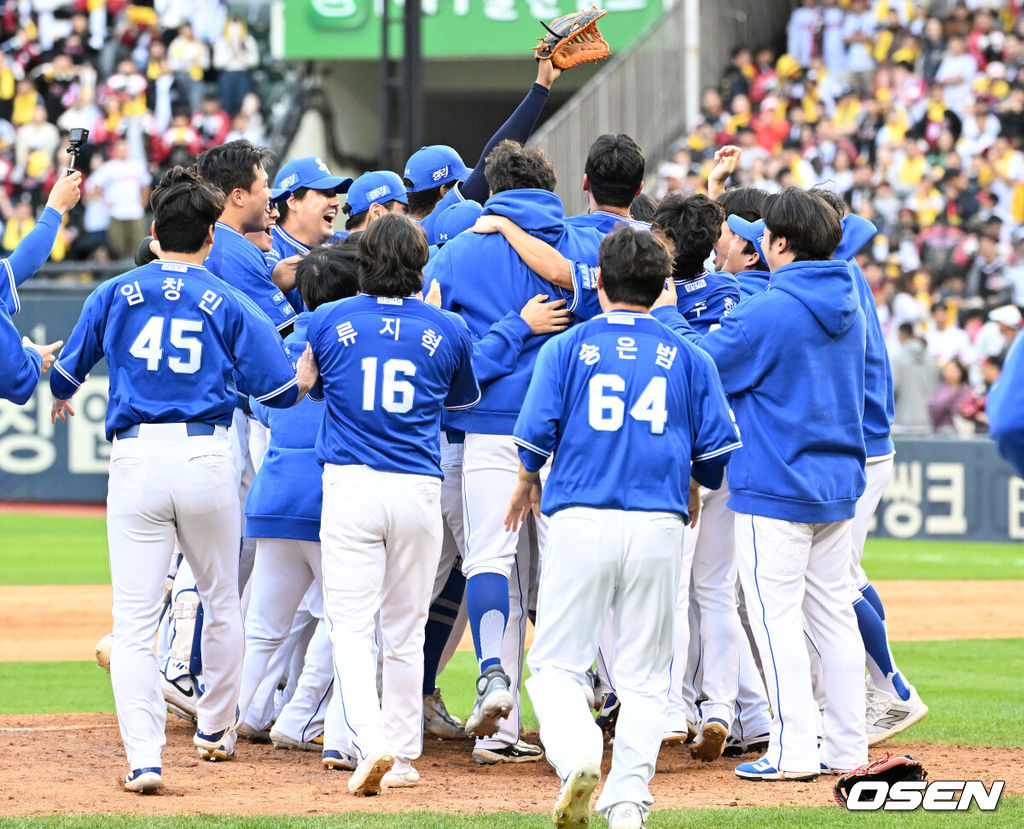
(400, 779)
(572, 809)
(493, 703)
(366, 779)
(625, 816)
(888, 716)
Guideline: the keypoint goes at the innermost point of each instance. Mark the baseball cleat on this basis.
(888, 716)
(338, 760)
(181, 696)
(709, 744)
(493, 703)
(763, 770)
(254, 735)
(102, 651)
(438, 722)
(609, 714)
(219, 745)
(366, 779)
(400, 779)
(625, 816)
(736, 746)
(282, 740)
(520, 752)
(144, 781)
(670, 738)
(572, 809)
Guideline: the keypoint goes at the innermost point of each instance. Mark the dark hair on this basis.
(185, 207)
(511, 166)
(833, 200)
(955, 361)
(421, 202)
(232, 165)
(392, 253)
(615, 169)
(907, 329)
(282, 203)
(809, 225)
(357, 218)
(747, 203)
(634, 266)
(329, 272)
(642, 207)
(692, 224)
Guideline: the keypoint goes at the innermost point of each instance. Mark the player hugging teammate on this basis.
(607, 427)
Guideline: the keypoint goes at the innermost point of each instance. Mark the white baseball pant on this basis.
(599, 560)
(792, 572)
(163, 482)
(879, 473)
(381, 541)
(302, 717)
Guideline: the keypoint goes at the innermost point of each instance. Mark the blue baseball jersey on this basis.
(29, 255)
(242, 265)
(20, 367)
(388, 366)
(606, 222)
(284, 246)
(626, 406)
(706, 299)
(173, 336)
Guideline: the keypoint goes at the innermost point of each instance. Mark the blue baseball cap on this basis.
(278, 193)
(377, 187)
(310, 172)
(455, 219)
(433, 166)
(753, 232)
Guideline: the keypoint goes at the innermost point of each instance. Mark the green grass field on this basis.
(41, 549)
(971, 686)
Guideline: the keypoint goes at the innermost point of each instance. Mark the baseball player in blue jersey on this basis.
(623, 388)
(1005, 407)
(735, 253)
(373, 195)
(389, 364)
(174, 336)
(21, 361)
(521, 180)
(612, 178)
(795, 354)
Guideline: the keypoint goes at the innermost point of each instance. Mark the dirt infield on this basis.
(48, 623)
(84, 762)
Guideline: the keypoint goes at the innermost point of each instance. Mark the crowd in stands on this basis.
(914, 113)
(154, 82)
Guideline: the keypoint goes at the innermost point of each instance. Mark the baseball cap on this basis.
(377, 187)
(1008, 315)
(278, 193)
(753, 232)
(433, 166)
(310, 172)
(455, 219)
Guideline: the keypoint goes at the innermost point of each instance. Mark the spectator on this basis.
(123, 184)
(955, 73)
(211, 122)
(944, 400)
(234, 55)
(802, 31)
(858, 37)
(189, 60)
(972, 406)
(946, 340)
(39, 135)
(914, 378)
(998, 332)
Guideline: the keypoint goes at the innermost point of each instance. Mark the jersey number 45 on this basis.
(148, 345)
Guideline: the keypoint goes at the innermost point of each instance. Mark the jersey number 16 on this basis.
(607, 411)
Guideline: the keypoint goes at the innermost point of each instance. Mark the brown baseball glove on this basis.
(573, 39)
(889, 769)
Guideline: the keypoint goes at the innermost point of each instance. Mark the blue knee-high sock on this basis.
(440, 621)
(487, 604)
(881, 666)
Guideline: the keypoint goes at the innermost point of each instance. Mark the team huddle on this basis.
(658, 431)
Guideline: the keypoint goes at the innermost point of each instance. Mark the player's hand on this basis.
(693, 507)
(547, 73)
(307, 371)
(726, 160)
(65, 193)
(669, 297)
(525, 498)
(433, 296)
(45, 351)
(489, 224)
(61, 409)
(546, 317)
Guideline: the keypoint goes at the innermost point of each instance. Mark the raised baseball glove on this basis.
(890, 769)
(573, 39)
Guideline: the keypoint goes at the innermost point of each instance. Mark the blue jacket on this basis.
(605, 222)
(752, 283)
(792, 362)
(20, 367)
(483, 279)
(1005, 408)
(286, 497)
(879, 403)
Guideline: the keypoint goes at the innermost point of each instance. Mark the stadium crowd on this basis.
(914, 114)
(155, 84)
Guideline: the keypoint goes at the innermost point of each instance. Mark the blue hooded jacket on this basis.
(1005, 408)
(879, 403)
(792, 362)
(483, 279)
(286, 497)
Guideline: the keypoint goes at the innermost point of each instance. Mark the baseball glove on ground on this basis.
(573, 39)
(890, 769)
